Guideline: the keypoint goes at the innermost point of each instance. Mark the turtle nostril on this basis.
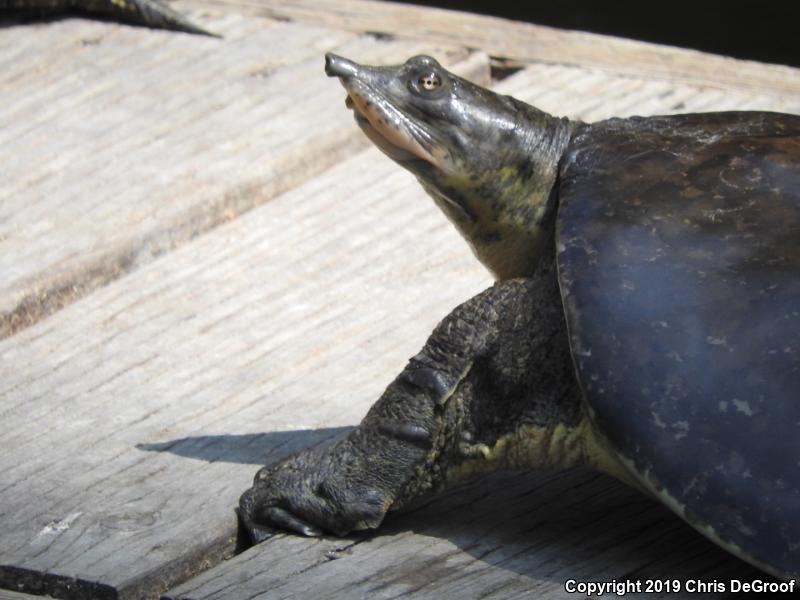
(338, 66)
(328, 63)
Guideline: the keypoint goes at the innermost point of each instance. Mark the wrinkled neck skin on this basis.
(504, 205)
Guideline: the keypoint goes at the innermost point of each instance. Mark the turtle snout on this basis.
(338, 66)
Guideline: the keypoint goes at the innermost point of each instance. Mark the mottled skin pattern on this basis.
(677, 243)
(151, 13)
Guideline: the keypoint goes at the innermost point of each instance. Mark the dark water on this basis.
(766, 31)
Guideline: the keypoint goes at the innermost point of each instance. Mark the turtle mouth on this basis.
(389, 128)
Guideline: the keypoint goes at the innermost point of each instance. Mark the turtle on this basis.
(644, 321)
(150, 13)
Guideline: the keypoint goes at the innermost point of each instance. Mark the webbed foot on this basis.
(337, 490)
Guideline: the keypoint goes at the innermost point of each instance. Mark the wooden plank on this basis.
(511, 535)
(11, 595)
(133, 418)
(526, 43)
(592, 95)
(224, 354)
(124, 143)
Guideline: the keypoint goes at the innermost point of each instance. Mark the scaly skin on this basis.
(151, 13)
(493, 387)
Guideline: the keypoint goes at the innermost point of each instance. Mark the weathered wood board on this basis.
(512, 535)
(592, 95)
(525, 43)
(230, 330)
(11, 595)
(133, 418)
(123, 143)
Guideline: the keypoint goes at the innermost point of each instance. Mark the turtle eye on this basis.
(429, 81)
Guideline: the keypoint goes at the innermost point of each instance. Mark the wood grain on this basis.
(228, 279)
(593, 95)
(510, 535)
(129, 142)
(133, 418)
(526, 43)
(11, 595)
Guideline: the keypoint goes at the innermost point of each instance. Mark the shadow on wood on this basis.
(553, 526)
(246, 448)
(507, 534)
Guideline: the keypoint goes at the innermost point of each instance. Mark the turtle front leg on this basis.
(497, 367)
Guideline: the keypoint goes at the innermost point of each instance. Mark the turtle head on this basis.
(489, 161)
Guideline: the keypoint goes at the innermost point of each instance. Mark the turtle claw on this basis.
(331, 490)
(286, 520)
(255, 532)
(279, 519)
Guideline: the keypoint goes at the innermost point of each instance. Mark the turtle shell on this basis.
(678, 244)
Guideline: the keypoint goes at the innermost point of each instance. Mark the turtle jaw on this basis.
(403, 152)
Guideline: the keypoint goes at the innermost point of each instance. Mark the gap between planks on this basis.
(510, 535)
(110, 174)
(134, 418)
(526, 43)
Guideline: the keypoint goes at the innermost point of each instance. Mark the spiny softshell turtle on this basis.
(646, 318)
(151, 13)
